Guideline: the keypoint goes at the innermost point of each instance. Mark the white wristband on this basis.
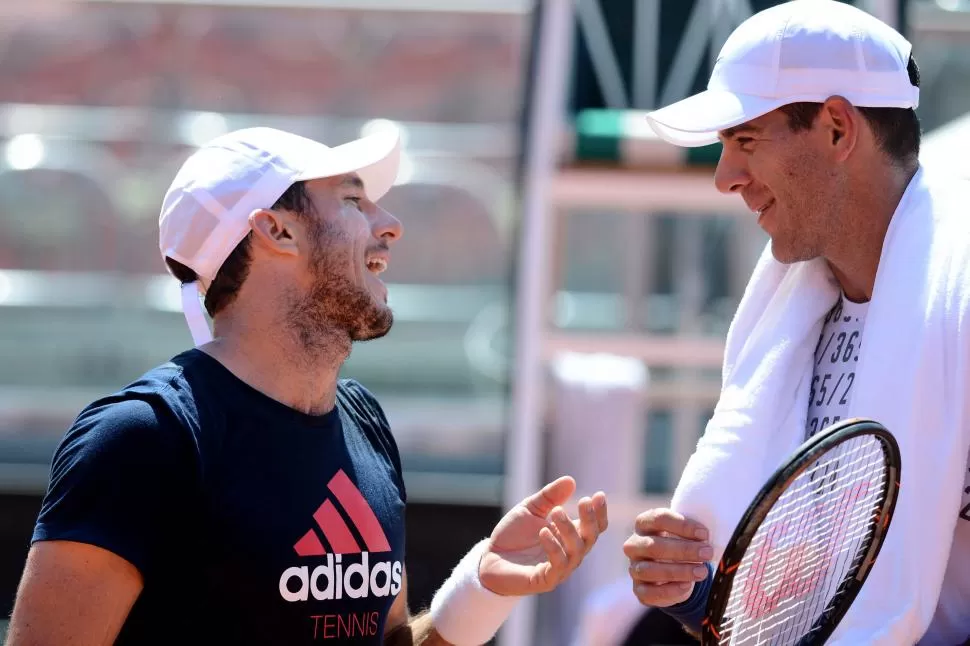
(463, 611)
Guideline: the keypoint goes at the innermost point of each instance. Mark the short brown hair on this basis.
(234, 270)
(897, 130)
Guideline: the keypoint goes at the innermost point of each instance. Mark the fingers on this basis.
(654, 521)
(566, 541)
(587, 525)
(667, 555)
(663, 595)
(667, 548)
(574, 544)
(599, 510)
(548, 575)
(660, 573)
(563, 540)
(552, 495)
(558, 559)
(597, 521)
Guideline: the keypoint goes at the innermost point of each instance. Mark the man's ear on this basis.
(841, 124)
(274, 231)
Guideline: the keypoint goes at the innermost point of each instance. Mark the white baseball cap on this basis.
(805, 50)
(205, 212)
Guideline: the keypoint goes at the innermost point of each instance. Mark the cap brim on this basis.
(376, 158)
(696, 120)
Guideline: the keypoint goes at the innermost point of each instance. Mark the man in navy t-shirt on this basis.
(237, 510)
(241, 493)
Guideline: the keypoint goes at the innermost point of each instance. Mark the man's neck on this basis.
(274, 361)
(854, 255)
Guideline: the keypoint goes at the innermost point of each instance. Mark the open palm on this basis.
(536, 545)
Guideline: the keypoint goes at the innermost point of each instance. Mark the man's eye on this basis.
(354, 200)
(743, 141)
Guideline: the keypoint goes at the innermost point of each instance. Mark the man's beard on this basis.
(336, 305)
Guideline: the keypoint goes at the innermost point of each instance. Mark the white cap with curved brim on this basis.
(804, 50)
(205, 212)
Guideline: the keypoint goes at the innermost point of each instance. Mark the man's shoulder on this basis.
(935, 217)
(943, 234)
(362, 406)
(946, 196)
(139, 423)
(155, 400)
(353, 395)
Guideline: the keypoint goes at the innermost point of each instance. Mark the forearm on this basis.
(462, 608)
(417, 632)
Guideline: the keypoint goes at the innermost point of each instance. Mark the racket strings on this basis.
(806, 545)
(787, 609)
(821, 520)
(814, 561)
(769, 596)
(770, 602)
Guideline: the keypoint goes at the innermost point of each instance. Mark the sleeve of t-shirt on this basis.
(117, 481)
(372, 409)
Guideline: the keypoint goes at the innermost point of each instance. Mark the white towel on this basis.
(919, 312)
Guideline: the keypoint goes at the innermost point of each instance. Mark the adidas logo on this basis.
(335, 530)
(331, 579)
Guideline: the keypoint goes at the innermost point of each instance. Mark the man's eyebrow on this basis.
(731, 133)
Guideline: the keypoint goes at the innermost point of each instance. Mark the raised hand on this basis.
(537, 545)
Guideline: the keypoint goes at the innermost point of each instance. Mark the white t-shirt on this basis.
(836, 358)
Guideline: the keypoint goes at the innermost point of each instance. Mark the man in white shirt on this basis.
(814, 102)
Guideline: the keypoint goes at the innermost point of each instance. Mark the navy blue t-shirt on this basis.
(251, 523)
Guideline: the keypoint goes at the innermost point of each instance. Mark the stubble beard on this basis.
(335, 311)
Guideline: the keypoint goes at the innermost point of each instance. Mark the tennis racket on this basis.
(805, 545)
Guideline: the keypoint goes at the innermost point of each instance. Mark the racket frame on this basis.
(800, 461)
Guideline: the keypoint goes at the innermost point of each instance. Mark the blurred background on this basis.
(563, 288)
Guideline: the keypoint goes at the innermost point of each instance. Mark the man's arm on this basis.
(417, 631)
(72, 593)
(534, 548)
(110, 505)
(404, 630)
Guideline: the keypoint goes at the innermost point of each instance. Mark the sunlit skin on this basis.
(313, 289)
(828, 191)
(348, 246)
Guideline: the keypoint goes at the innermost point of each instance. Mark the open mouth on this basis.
(761, 212)
(377, 266)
